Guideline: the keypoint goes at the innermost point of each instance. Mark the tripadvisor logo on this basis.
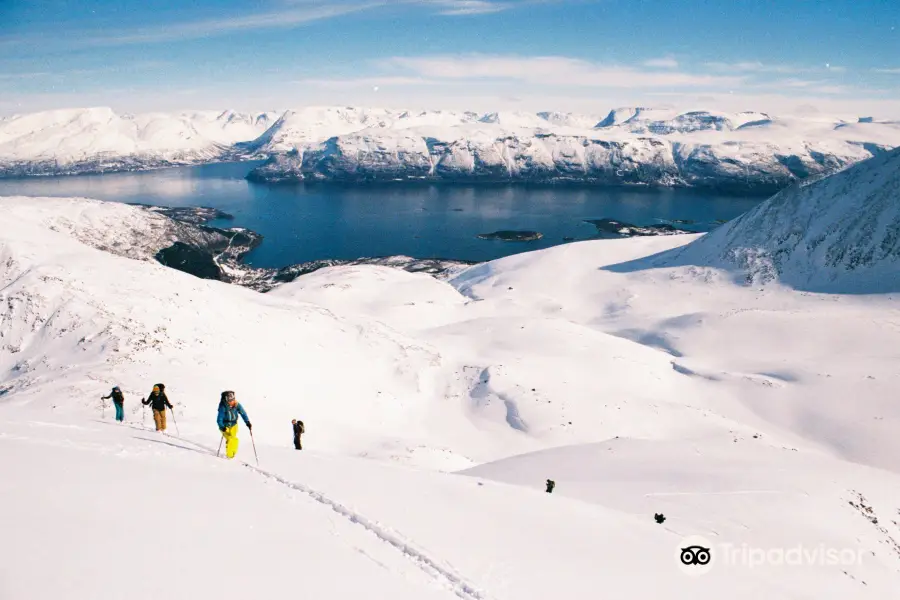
(697, 556)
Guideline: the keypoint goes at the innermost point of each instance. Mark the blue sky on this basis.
(788, 55)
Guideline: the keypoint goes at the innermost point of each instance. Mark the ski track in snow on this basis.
(444, 575)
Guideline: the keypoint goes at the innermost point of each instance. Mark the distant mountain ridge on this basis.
(746, 152)
(99, 140)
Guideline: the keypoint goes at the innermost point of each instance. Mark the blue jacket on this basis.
(229, 416)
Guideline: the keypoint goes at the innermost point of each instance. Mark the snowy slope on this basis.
(98, 139)
(171, 518)
(841, 233)
(155, 322)
(755, 416)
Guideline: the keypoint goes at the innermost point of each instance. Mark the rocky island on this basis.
(609, 228)
(509, 235)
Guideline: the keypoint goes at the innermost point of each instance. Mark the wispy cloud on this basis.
(794, 83)
(830, 89)
(470, 7)
(895, 71)
(550, 70)
(368, 82)
(293, 13)
(281, 19)
(32, 75)
(129, 68)
(752, 67)
(666, 62)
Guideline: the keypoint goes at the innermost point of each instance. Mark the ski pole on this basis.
(103, 404)
(220, 446)
(254, 447)
(172, 410)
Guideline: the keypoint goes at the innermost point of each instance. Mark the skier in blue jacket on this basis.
(229, 409)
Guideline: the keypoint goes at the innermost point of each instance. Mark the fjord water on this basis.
(309, 222)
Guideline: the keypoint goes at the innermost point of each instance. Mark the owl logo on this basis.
(695, 555)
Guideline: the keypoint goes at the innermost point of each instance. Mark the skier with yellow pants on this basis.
(229, 409)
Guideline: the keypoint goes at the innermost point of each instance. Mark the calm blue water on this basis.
(303, 223)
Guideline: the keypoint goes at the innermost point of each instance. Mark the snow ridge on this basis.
(840, 233)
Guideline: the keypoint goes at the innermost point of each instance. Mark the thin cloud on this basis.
(793, 83)
(550, 70)
(470, 7)
(662, 63)
(282, 19)
(831, 89)
(368, 82)
(294, 14)
(889, 71)
(755, 67)
(128, 68)
(752, 67)
(32, 75)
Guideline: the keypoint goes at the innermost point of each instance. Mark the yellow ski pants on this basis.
(231, 440)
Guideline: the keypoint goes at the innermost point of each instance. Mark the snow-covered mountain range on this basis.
(647, 379)
(749, 152)
(99, 140)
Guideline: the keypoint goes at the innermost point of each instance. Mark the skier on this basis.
(229, 409)
(550, 485)
(298, 431)
(159, 402)
(118, 401)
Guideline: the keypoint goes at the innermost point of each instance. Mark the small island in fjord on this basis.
(511, 236)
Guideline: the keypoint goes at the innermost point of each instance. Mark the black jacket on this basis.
(158, 401)
(298, 428)
(118, 397)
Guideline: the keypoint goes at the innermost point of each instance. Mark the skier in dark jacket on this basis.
(298, 431)
(227, 420)
(118, 399)
(159, 402)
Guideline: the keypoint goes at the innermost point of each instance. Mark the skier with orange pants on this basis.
(229, 409)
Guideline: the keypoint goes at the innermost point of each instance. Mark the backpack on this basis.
(302, 428)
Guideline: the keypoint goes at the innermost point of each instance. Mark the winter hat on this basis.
(155, 388)
(228, 396)
(116, 389)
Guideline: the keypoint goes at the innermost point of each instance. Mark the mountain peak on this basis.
(835, 234)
